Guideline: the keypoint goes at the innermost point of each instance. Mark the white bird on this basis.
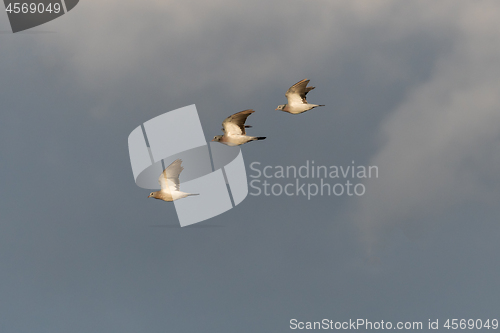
(234, 130)
(296, 96)
(169, 183)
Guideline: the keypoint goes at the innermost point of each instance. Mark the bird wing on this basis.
(308, 89)
(296, 94)
(169, 178)
(235, 124)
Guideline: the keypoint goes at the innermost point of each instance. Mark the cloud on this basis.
(441, 147)
(194, 44)
(439, 130)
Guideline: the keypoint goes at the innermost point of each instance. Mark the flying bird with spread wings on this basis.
(234, 130)
(169, 183)
(296, 96)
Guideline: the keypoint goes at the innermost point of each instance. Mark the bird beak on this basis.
(276, 109)
(149, 196)
(213, 140)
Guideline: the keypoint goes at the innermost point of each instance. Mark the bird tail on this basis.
(259, 138)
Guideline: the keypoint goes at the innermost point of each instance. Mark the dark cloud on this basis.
(411, 88)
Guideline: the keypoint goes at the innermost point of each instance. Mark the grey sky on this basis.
(412, 87)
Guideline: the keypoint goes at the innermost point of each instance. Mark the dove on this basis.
(296, 96)
(234, 130)
(169, 183)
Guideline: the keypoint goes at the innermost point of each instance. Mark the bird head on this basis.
(217, 138)
(151, 195)
(281, 107)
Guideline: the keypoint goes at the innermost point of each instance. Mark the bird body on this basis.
(236, 139)
(296, 97)
(169, 196)
(169, 183)
(234, 130)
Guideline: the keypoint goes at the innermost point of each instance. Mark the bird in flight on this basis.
(234, 130)
(296, 96)
(169, 183)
